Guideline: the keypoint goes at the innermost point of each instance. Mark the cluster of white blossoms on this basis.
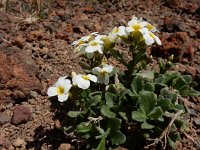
(95, 43)
(63, 85)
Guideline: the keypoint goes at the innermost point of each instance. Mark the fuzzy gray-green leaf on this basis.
(105, 111)
(138, 116)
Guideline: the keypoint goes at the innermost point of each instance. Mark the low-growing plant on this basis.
(127, 106)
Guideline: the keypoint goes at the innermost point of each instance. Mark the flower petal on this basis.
(143, 23)
(63, 81)
(144, 31)
(129, 29)
(101, 78)
(157, 40)
(122, 31)
(75, 78)
(63, 97)
(108, 68)
(99, 49)
(52, 91)
(106, 79)
(133, 21)
(92, 77)
(148, 39)
(90, 49)
(83, 84)
(96, 70)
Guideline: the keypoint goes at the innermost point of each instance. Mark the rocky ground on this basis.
(35, 52)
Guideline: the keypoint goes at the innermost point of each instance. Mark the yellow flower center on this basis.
(136, 27)
(103, 73)
(80, 42)
(151, 34)
(94, 44)
(149, 26)
(115, 30)
(60, 90)
(85, 77)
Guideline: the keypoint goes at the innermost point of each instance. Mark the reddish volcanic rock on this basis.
(18, 75)
(21, 114)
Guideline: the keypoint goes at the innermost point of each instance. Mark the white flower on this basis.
(83, 81)
(82, 43)
(61, 89)
(150, 38)
(84, 39)
(111, 38)
(103, 74)
(100, 37)
(81, 40)
(136, 25)
(95, 45)
(151, 28)
(120, 31)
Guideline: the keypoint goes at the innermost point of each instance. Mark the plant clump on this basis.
(133, 108)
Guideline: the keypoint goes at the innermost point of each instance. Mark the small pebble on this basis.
(4, 118)
(64, 146)
(19, 142)
(33, 94)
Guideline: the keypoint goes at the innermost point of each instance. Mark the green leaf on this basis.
(136, 85)
(105, 111)
(171, 143)
(123, 115)
(174, 97)
(84, 65)
(118, 138)
(102, 144)
(190, 92)
(145, 125)
(164, 92)
(170, 76)
(132, 96)
(187, 78)
(181, 124)
(84, 94)
(164, 103)
(173, 128)
(118, 56)
(103, 135)
(139, 56)
(147, 101)
(114, 124)
(146, 74)
(101, 131)
(74, 114)
(110, 98)
(95, 100)
(160, 79)
(146, 135)
(159, 86)
(155, 113)
(179, 107)
(149, 87)
(193, 84)
(179, 83)
(161, 119)
(84, 127)
(138, 116)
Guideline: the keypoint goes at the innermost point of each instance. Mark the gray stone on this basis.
(4, 118)
(21, 114)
